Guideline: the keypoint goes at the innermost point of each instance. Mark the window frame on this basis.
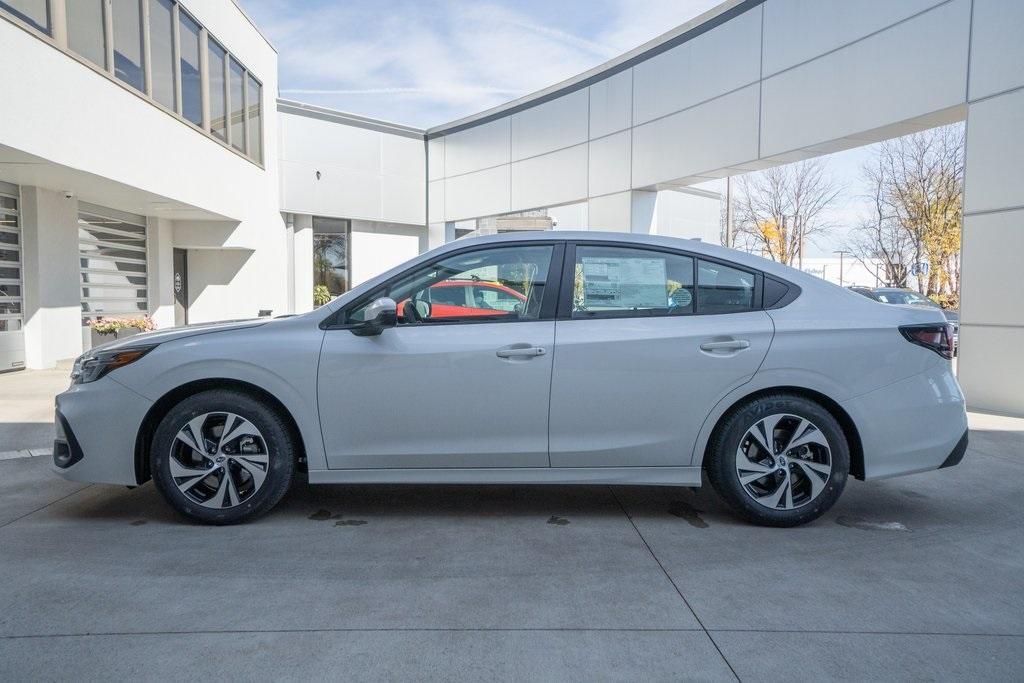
(548, 307)
(565, 304)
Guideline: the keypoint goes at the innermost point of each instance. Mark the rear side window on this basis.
(622, 281)
(721, 289)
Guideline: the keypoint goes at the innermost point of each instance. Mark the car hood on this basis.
(172, 333)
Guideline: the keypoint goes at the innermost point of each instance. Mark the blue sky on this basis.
(429, 62)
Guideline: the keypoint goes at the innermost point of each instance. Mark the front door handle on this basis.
(727, 345)
(520, 351)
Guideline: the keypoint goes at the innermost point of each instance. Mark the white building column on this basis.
(160, 265)
(631, 211)
(991, 366)
(52, 293)
(302, 258)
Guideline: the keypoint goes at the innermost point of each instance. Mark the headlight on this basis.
(93, 365)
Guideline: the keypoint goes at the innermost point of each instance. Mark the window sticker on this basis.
(618, 282)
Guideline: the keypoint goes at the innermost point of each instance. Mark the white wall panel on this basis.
(344, 192)
(991, 368)
(723, 59)
(711, 136)
(315, 140)
(916, 67)
(402, 156)
(992, 248)
(436, 190)
(403, 199)
(610, 213)
(435, 158)
(554, 178)
(611, 104)
(995, 153)
(997, 46)
(298, 187)
(484, 193)
(798, 30)
(560, 123)
(609, 164)
(477, 148)
(375, 252)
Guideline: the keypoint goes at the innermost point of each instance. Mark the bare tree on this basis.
(923, 177)
(879, 242)
(778, 209)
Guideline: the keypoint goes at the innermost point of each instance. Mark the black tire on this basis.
(726, 441)
(279, 446)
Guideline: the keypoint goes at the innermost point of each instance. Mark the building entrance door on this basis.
(180, 287)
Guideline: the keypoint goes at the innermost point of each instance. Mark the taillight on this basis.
(935, 336)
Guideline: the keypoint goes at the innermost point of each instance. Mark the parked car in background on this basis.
(899, 295)
(617, 359)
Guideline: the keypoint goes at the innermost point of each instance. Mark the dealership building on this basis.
(147, 165)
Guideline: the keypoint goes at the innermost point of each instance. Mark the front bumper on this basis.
(97, 424)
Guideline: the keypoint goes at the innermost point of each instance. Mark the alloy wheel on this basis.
(219, 460)
(783, 462)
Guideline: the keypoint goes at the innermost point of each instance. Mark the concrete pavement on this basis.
(917, 577)
(26, 409)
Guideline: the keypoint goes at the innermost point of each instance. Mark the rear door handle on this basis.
(520, 351)
(728, 345)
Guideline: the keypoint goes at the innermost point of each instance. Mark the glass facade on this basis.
(156, 48)
(218, 93)
(161, 52)
(35, 13)
(112, 260)
(86, 32)
(126, 18)
(236, 92)
(331, 254)
(10, 265)
(191, 80)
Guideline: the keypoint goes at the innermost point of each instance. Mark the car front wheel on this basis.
(222, 457)
(779, 460)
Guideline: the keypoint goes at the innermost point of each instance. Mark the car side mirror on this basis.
(380, 314)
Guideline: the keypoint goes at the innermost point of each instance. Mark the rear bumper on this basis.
(96, 426)
(914, 425)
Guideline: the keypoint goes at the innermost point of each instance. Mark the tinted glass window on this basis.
(721, 289)
(191, 82)
(30, 11)
(331, 254)
(161, 50)
(237, 91)
(85, 30)
(127, 20)
(523, 270)
(218, 96)
(616, 281)
(255, 125)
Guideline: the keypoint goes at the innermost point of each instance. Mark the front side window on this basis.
(620, 281)
(446, 291)
(127, 23)
(721, 289)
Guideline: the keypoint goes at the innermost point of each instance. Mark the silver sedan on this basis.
(534, 358)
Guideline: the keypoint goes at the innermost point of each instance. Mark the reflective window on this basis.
(112, 260)
(254, 118)
(10, 265)
(161, 51)
(618, 281)
(191, 80)
(127, 22)
(86, 31)
(237, 99)
(331, 254)
(721, 289)
(32, 12)
(217, 94)
(444, 291)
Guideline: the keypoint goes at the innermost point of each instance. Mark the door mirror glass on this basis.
(379, 315)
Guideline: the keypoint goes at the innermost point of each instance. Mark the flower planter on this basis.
(97, 338)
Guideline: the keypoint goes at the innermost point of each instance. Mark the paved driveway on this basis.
(919, 577)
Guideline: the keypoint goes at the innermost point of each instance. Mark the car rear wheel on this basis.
(779, 460)
(222, 457)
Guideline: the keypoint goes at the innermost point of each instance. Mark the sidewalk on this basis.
(26, 410)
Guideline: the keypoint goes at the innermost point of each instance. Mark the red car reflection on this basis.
(470, 298)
